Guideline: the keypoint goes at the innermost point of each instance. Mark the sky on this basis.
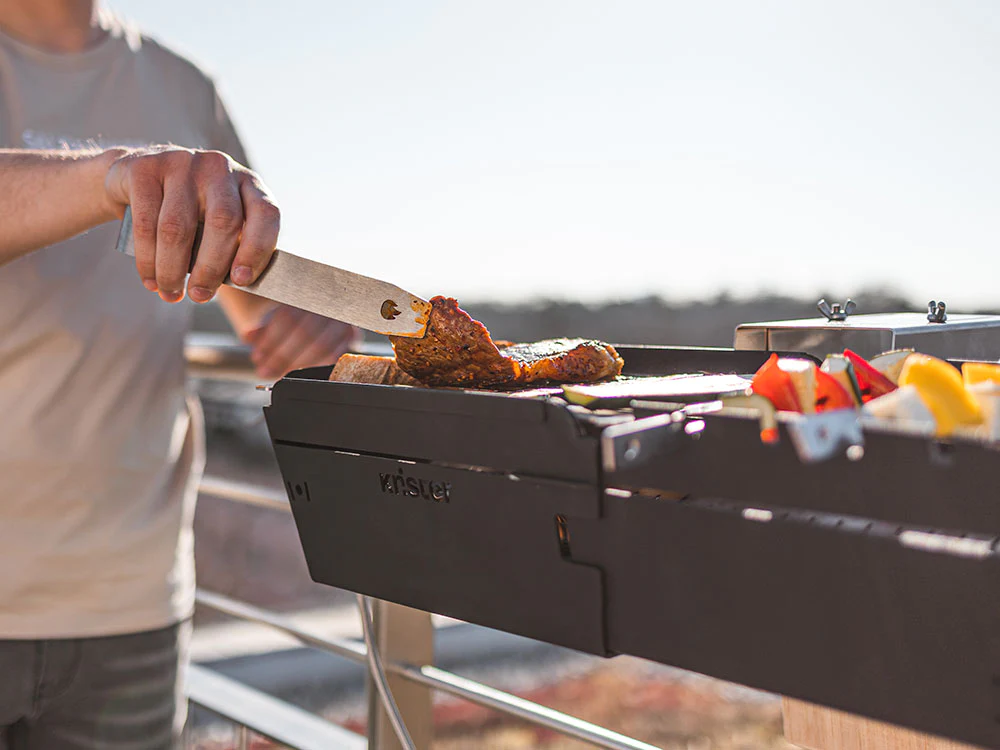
(574, 149)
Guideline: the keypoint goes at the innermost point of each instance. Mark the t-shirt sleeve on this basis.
(224, 135)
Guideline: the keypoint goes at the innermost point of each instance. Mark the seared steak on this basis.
(458, 351)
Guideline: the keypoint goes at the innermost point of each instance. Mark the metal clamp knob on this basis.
(936, 312)
(835, 311)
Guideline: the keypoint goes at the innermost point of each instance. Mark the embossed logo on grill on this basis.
(428, 489)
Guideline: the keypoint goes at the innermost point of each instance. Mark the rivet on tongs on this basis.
(936, 312)
(835, 311)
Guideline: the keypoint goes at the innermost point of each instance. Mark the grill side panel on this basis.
(525, 436)
(478, 546)
(833, 613)
(907, 480)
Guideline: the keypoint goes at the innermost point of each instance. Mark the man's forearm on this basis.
(49, 196)
(245, 311)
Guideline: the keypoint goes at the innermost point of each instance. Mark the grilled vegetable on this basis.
(980, 372)
(840, 369)
(871, 382)
(776, 385)
(798, 385)
(802, 375)
(830, 394)
(942, 390)
(891, 363)
(902, 405)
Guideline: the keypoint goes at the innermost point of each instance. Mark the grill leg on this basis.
(405, 635)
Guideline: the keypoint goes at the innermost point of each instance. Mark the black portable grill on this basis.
(865, 582)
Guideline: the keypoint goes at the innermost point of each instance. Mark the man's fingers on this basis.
(288, 352)
(260, 231)
(282, 325)
(175, 235)
(223, 223)
(146, 196)
(345, 337)
(171, 190)
(251, 337)
(279, 358)
(326, 348)
(312, 341)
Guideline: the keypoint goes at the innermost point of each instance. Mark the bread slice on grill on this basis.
(365, 368)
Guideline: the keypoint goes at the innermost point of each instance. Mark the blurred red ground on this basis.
(680, 712)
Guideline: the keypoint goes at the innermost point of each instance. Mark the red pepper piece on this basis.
(830, 394)
(871, 382)
(774, 384)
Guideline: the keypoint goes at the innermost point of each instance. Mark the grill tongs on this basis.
(325, 290)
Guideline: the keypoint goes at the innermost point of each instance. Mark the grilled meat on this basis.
(564, 361)
(458, 351)
(364, 368)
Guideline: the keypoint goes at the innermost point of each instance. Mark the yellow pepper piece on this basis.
(980, 372)
(942, 390)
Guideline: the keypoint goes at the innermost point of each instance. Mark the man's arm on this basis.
(46, 197)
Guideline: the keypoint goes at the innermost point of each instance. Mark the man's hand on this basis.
(290, 339)
(171, 190)
(50, 196)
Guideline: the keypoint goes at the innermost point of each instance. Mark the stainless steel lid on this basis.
(957, 337)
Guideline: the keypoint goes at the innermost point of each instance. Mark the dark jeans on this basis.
(118, 692)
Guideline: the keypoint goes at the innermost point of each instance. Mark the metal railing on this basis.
(252, 710)
(426, 675)
(294, 728)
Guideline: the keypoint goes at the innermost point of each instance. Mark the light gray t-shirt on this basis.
(99, 452)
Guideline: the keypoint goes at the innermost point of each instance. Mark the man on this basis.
(99, 454)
